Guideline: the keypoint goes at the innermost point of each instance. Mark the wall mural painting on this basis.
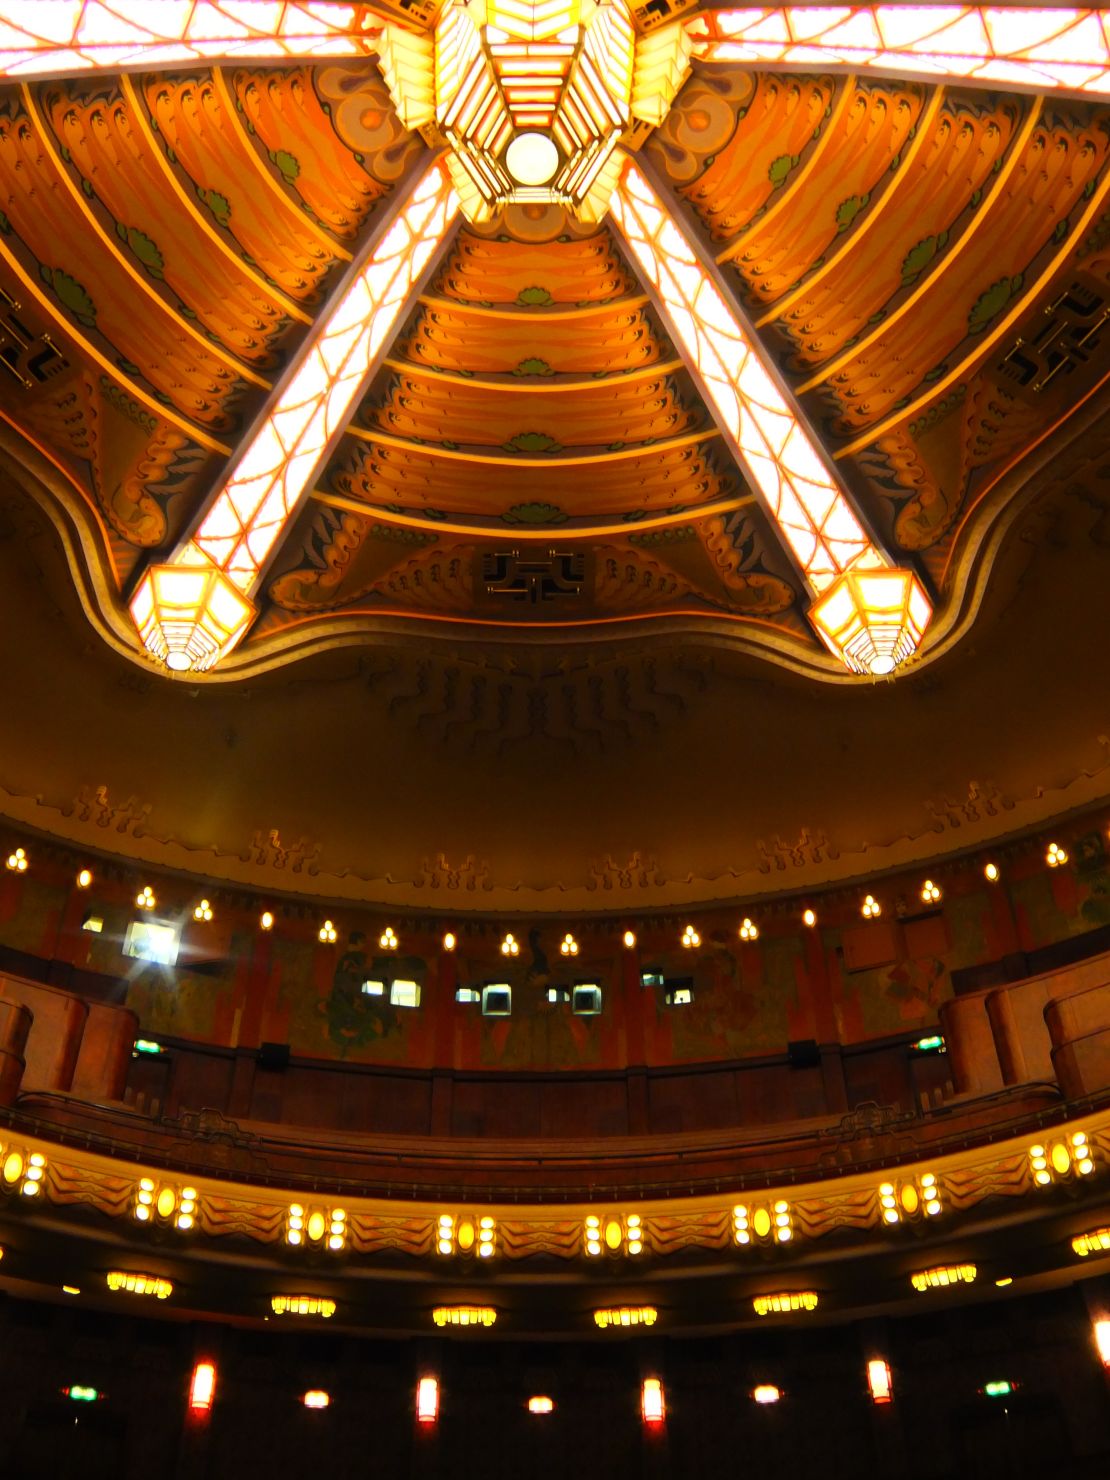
(1051, 904)
(539, 1034)
(335, 1001)
(750, 999)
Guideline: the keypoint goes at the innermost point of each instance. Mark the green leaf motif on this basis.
(534, 513)
(991, 303)
(533, 366)
(146, 251)
(534, 297)
(218, 204)
(287, 164)
(918, 258)
(848, 210)
(72, 294)
(780, 168)
(532, 442)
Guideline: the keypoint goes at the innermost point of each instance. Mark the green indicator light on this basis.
(934, 1044)
(998, 1389)
(147, 1045)
(81, 1394)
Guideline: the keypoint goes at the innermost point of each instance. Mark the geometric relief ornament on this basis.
(532, 102)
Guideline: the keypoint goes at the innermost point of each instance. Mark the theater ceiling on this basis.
(530, 453)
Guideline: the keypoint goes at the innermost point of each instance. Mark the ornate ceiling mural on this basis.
(540, 440)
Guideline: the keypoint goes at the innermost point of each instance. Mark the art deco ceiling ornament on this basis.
(540, 102)
(532, 96)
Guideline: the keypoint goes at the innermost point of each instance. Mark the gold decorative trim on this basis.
(263, 285)
(929, 282)
(496, 458)
(71, 1177)
(181, 325)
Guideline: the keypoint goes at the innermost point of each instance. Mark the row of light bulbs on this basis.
(1055, 856)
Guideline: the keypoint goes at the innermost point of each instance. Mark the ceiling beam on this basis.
(194, 609)
(871, 614)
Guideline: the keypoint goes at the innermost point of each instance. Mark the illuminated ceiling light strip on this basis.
(870, 614)
(66, 40)
(1044, 50)
(265, 487)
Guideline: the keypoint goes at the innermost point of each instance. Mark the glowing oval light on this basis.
(166, 1202)
(910, 1199)
(652, 1403)
(531, 159)
(13, 1167)
(84, 878)
(541, 1405)
(766, 1392)
(1061, 1159)
(316, 1398)
(612, 1235)
(761, 1222)
(879, 1381)
(316, 1226)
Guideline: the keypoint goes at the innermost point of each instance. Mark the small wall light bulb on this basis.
(1055, 856)
(749, 930)
(449, 941)
(266, 920)
(629, 939)
(690, 938)
(202, 911)
(84, 878)
(871, 909)
(990, 872)
(328, 934)
(809, 917)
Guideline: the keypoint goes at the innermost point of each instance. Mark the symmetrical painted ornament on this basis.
(533, 96)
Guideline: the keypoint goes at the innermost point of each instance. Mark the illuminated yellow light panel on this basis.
(869, 615)
(195, 610)
(997, 46)
(464, 1315)
(56, 39)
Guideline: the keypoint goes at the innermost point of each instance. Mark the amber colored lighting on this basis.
(652, 1402)
(1044, 49)
(427, 1400)
(930, 892)
(193, 611)
(766, 1392)
(327, 933)
(16, 861)
(871, 909)
(1095, 1242)
(786, 1303)
(749, 930)
(690, 938)
(541, 1405)
(140, 1284)
(202, 1389)
(870, 614)
(626, 1316)
(464, 1315)
(510, 946)
(316, 1398)
(266, 920)
(879, 1380)
(449, 940)
(302, 1305)
(84, 878)
(990, 872)
(872, 619)
(145, 898)
(189, 615)
(1055, 856)
(809, 917)
(1102, 1341)
(568, 946)
(629, 940)
(943, 1276)
(202, 911)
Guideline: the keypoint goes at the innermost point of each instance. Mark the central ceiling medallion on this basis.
(532, 97)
